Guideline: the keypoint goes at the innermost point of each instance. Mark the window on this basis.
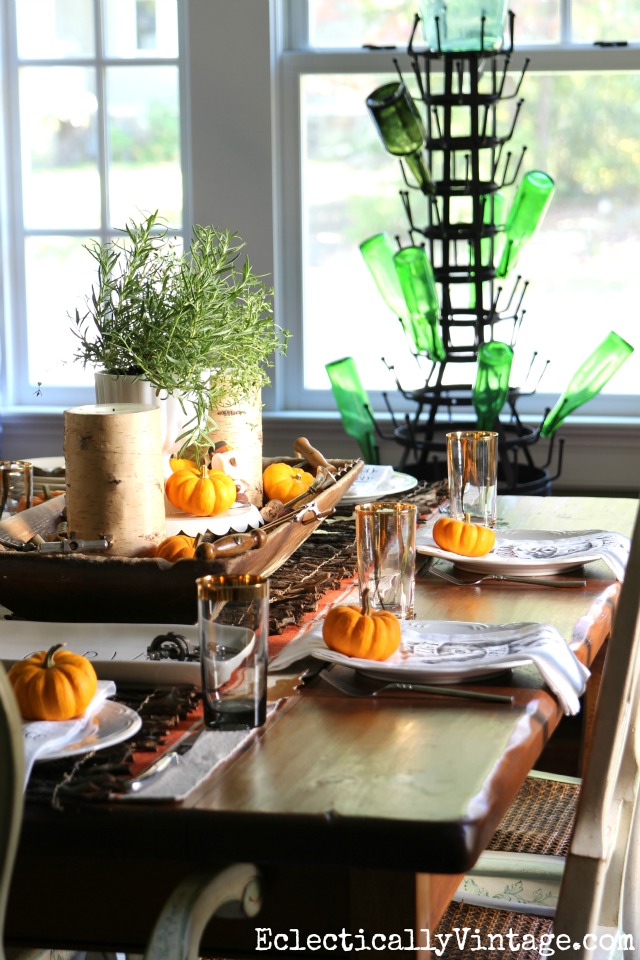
(92, 138)
(580, 121)
(87, 142)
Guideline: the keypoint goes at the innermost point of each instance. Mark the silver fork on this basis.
(329, 674)
(472, 581)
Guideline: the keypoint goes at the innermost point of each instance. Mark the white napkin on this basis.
(44, 737)
(370, 480)
(512, 643)
(211, 749)
(425, 646)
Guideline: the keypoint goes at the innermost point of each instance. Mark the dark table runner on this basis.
(320, 565)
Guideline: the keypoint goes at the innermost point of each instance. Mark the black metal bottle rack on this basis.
(468, 154)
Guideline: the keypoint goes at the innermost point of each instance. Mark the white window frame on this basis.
(16, 392)
(298, 60)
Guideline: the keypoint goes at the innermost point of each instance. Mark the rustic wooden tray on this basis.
(110, 589)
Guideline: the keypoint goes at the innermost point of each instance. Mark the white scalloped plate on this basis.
(398, 483)
(112, 724)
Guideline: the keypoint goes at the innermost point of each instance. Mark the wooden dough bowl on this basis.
(110, 589)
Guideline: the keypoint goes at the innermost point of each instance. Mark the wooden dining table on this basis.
(361, 813)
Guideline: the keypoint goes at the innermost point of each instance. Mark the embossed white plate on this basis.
(112, 724)
(398, 483)
(533, 552)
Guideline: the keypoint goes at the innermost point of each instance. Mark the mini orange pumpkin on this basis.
(466, 539)
(177, 463)
(283, 482)
(361, 632)
(54, 684)
(36, 500)
(176, 547)
(201, 492)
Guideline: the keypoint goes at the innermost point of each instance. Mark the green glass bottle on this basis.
(400, 128)
(525, 216)
(492, 382)
(588, 380)
(353, 403)
(378, 252)
(419, 289)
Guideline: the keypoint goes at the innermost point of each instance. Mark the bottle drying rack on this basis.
(470, 163)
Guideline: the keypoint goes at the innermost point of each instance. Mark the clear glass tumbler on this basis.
(386, 545)
(16, 486)
(472, 459)
(233, 620)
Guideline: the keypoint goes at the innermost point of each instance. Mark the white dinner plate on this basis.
(48, 463)
(525, 552)
(438, 651)
(398, 483)
(112, 724)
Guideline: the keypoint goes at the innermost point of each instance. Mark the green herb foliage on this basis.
(197, 325)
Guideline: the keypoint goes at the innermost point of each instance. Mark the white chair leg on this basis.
(234, 891)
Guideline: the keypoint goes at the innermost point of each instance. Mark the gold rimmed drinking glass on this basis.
(472, 461)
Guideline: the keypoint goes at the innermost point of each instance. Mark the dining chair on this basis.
(11, 791)
(598, 881)
(233, 891)
(353, 404)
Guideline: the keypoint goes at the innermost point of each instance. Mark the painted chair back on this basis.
(600, 889)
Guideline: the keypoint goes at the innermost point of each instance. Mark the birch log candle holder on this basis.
(237, 441)
(114, 476)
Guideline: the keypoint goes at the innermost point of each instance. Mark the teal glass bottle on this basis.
(525, 216)
(492, 382)
(588, 380)
(400, 128)
(417, 282)
(463, 24)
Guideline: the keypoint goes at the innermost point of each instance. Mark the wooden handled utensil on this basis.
(302, 448)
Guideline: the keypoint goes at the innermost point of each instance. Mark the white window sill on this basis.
(600, 453)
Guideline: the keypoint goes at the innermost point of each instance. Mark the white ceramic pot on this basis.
(116, 388)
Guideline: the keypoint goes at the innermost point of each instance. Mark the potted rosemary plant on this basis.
(196, 325)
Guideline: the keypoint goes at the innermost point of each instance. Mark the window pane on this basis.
(350, 192)
(144, 143)
(584, 281)
(582, 265)
(537, 21)
(55, 29)
(58, 116)
(59, 273)
(352, 23)
(610, 21)
(135, 28)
